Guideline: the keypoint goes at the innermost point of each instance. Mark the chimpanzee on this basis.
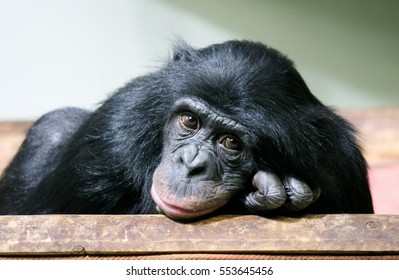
(230, 128)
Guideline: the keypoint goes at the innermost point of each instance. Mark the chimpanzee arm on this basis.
(38, 155)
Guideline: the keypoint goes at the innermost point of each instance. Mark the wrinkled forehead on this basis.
(209, 114)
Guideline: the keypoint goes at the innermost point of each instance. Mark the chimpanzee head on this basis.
(228, 131)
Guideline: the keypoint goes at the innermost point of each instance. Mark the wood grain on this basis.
(156, 234)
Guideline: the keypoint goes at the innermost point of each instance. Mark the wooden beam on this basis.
(378, 133)
(11, 136)
(156, 234)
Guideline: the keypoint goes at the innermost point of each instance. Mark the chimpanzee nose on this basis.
(197, 162)
(197, 166)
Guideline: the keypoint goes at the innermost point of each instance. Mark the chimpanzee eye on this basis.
(189, 121)
(231, 143)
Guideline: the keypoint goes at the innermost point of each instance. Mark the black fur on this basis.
(103, 162)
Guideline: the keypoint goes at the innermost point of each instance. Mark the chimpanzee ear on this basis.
(182, 51)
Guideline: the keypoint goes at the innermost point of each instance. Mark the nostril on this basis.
(196, 171)
(194, 162)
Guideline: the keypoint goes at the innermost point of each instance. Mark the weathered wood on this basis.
(156, 234)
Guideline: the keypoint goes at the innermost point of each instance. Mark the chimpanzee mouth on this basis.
(176, 212)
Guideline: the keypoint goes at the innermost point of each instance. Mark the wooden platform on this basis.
(155, 236)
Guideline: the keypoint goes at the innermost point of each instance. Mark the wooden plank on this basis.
(11, 136)
(156, 234)
(378, 133)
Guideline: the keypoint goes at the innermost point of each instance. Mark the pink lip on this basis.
(175, 211)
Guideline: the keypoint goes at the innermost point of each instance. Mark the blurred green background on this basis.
(77, 52)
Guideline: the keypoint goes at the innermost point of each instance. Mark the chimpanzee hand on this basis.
(291, 194)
